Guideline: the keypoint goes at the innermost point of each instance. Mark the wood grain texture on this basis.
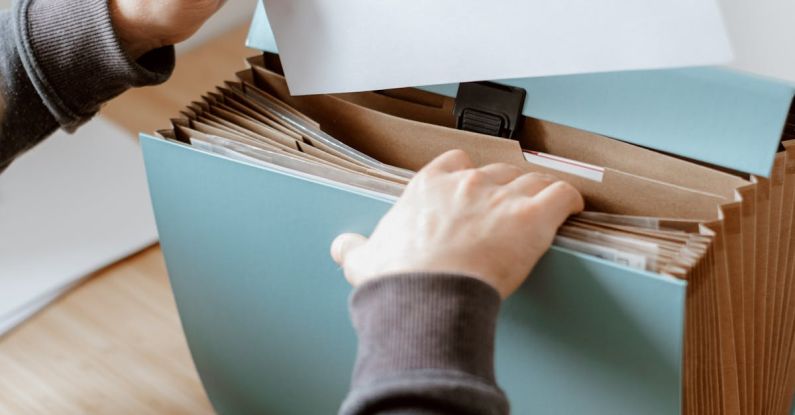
(114, 345)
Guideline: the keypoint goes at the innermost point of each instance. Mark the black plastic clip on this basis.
(489, 108)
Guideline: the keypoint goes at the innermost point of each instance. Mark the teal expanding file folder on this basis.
(264, 307)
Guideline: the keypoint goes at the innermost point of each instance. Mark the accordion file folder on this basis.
(264, 308)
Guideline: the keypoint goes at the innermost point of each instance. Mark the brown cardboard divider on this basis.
(596, 149)
(760, 284)
(718, 284)
(412, 144)
(788, 382)
(407, 103)
(747, 196)
(548, 137)
(776, 198)
(783, 301)
(731, 213)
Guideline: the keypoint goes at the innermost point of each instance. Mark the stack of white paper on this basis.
(69, 207)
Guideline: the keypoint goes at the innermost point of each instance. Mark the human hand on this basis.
(145, 25)
(492, 223)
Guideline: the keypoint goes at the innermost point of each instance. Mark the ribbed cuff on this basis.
(423, 321)
(75, 59)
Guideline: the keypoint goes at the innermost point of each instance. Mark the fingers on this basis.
(501, 173)
(451, 161)
(530, 184)
(557, 202)
(344, 244)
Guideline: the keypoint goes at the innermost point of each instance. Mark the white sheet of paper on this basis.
(69, 207)
(331, 46)
(8, 322)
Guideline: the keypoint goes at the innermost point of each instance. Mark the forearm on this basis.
(426, 345)
(24, 120)
(59, 61)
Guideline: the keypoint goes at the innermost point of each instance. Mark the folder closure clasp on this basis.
(489, 108)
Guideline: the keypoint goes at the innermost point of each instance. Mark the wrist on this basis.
(134, 37)
(405, 321)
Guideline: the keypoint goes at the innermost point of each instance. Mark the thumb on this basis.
(344, 244)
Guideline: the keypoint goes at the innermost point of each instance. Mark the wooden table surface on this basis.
(114, 345)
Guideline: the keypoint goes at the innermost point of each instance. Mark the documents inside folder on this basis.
(729, 235)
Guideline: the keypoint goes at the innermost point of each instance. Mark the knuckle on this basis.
(458, 154)
(560, 188)
(500, 197)
(530, 209)
(458, 157)
(542, 177)
(422, 175)
(549, 178)
(508, 167)
(472, 179)
(572, 195)
(423, 179)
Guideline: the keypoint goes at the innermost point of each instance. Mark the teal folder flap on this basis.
(264, 307)
(714, 115)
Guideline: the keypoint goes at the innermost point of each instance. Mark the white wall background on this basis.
(763, 36)
(762, 32)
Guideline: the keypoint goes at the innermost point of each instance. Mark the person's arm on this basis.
(426, 344)
(430, 279)
(61, 59)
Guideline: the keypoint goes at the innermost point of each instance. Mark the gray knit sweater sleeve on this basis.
(426, 346)
(59, 61)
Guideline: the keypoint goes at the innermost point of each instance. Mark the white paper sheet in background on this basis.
(351, 45)
(71, 206)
